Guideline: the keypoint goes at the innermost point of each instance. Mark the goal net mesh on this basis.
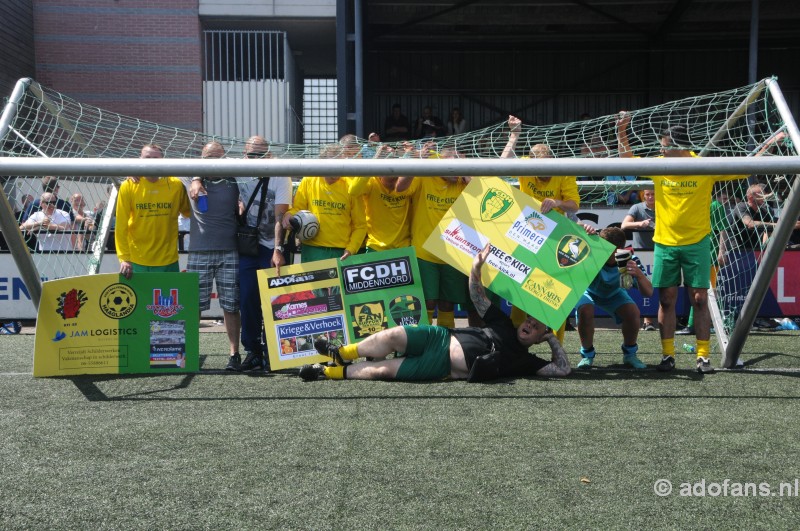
(738, 122)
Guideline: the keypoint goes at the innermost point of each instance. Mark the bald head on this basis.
(213, 150)
(256, 147)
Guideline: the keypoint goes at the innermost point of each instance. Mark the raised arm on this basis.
(476, 290)
(623, 145)
(514, 125)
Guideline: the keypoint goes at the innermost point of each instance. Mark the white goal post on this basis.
(722, 134)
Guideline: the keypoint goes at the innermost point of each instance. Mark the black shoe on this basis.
(322, 346)
(234, 363)
(309, 373)
(667, 364)
(688, 331)
(649, 327)
(765, 323)
(252, 363)
(704, 366)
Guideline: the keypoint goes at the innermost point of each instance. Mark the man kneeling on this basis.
(436, 353)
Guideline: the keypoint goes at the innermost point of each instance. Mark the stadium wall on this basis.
(16, 42)
(135, 57)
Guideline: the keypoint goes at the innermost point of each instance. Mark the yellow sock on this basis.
(561, 331)
(668, 347)
(430, 316)
(334, 373)
(446, 319)
(517, 316)
(703, 348)
(349, 352)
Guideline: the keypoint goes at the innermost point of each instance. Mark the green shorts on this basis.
(169, 268)
(427, 355)
(312, 253)
(694, 261)
(442, 282)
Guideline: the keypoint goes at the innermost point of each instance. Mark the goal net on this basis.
(41, 122)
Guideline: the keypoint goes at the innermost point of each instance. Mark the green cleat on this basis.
(585, 363)
(634, 362)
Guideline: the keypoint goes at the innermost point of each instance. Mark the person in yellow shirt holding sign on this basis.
(554, 193)
(146, 233)
(431, 197)
(342, 222)
(388, 212)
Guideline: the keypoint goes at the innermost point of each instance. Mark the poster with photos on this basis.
(107, 324)
(300, 306)
(382, 290)
(342, 302)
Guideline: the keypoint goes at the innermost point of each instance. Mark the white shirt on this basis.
(51, 240)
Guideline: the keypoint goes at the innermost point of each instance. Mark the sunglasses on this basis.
(256, 155)
(48, 202)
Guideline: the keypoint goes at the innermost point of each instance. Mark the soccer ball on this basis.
(118, 301)
(305, 225)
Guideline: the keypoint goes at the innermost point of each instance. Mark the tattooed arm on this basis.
(476, 290)
(559, 364)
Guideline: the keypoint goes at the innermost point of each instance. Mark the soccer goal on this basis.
(44, 133)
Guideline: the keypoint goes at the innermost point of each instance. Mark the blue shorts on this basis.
(609, 304)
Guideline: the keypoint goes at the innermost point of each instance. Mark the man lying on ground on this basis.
(435, 353)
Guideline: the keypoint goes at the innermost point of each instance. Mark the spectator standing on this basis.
(51, 224)
(49, 185)
(146, 232)
(749, 225)
(396, 127)
(641, 219)
(270, 254)
(83, 223)
(428, 125)
(456, 124)
(212, 247)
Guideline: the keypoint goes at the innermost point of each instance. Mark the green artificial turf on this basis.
(218, 450)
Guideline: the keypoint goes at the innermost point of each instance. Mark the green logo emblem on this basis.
(571, 250)
(494, 204)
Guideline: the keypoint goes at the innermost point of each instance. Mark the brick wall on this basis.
(16, 43)
(141, 58)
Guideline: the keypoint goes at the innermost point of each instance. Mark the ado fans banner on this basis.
(541, 263)
(106, 324)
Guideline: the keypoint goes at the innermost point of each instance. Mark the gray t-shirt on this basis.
(215, 229)
(279, 192)
(643, 239)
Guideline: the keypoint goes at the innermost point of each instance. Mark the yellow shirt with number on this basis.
(388, 213)
(431, 198)
(683, 207)
(342, 222)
